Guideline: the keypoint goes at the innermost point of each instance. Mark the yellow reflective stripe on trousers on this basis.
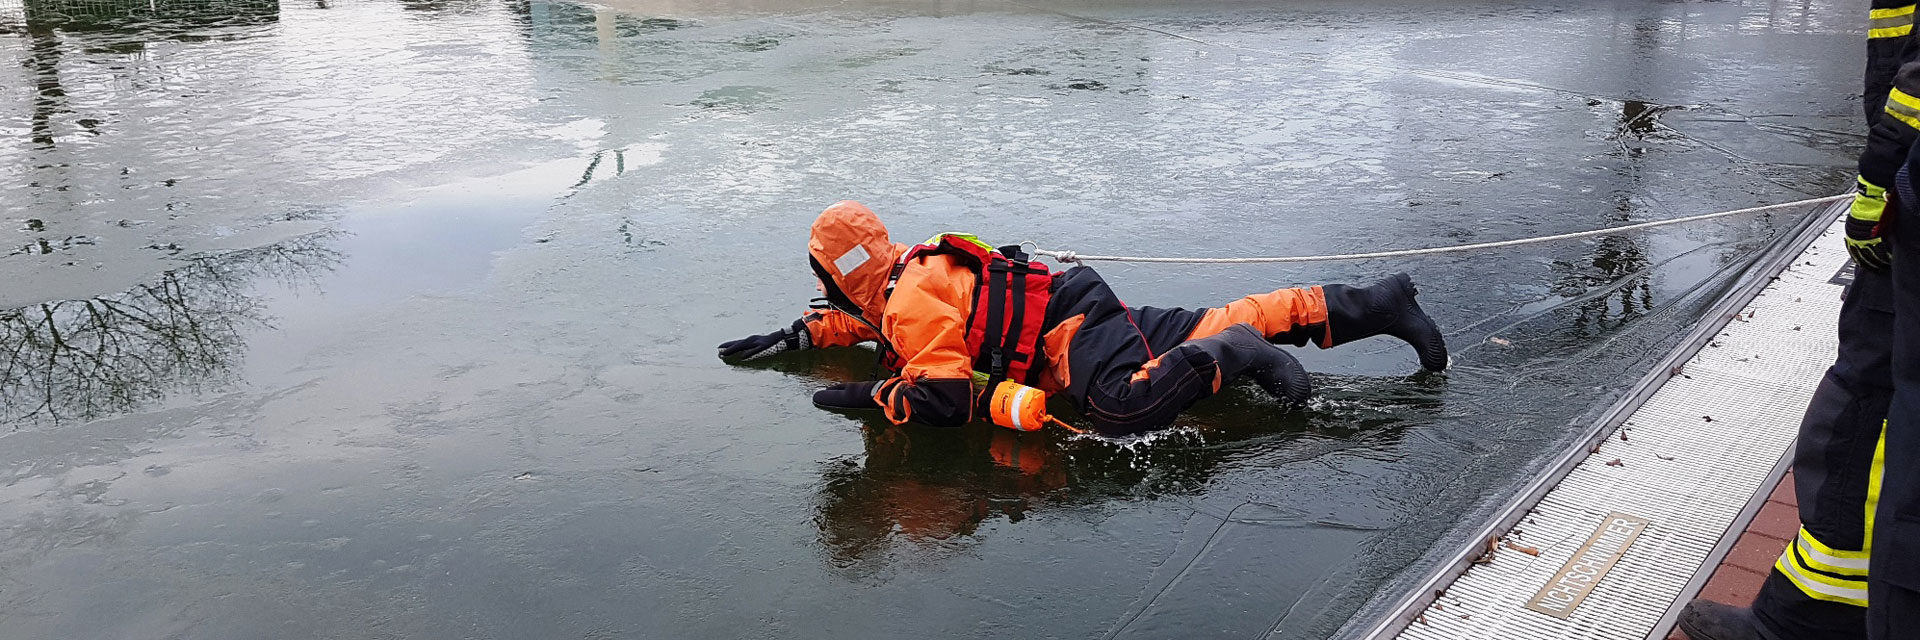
(1804, 573)
(1822, 557)
(1874, 475)
(1904, 108)
(1821, 587)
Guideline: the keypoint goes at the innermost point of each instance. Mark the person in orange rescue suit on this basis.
(955, 319)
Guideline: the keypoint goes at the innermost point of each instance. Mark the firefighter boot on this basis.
(1708, 620)
(1384, 307)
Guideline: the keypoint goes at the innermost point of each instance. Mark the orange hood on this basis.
(853, 258)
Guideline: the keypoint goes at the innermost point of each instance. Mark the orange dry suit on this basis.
(1126, 369)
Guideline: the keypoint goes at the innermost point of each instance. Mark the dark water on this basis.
(396, 319)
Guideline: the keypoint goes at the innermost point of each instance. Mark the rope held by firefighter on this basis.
(1071, 256)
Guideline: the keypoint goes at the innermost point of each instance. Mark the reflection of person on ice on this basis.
(962, 326)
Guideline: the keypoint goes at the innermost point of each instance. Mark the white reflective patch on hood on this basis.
(851, 260)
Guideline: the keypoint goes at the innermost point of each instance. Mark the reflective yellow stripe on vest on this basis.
(968, 237)
(1890, 23)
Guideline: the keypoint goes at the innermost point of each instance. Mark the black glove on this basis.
(1872, 206)
(793, 338)
(847, 395)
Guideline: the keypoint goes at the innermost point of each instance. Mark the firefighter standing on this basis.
(1847, 460)
(957, 318)
(1893, 592)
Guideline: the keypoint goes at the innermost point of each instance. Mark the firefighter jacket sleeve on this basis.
(831, 328)
(1889, 26)
(1891, 94)
(1892, 133)
(926, 322)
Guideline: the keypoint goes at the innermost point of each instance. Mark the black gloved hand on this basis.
(793, 338)
(1866, 226)
(847, 395)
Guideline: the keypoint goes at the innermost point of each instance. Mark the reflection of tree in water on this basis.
(437, 8)
(44, 61)
(586, 24)
(1616, 266)
(920, 490)
(84, 359)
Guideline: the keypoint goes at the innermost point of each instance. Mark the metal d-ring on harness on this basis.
(1065, 256)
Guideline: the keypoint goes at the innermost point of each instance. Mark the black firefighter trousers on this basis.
(1893, 594)
(1818, 588)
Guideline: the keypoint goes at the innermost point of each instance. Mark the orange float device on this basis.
(1021, 408)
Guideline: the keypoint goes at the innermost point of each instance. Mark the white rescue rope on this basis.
(1071, 256)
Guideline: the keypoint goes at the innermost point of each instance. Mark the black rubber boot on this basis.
(1240, 350)
(1709, 620)
(1384, 307)
(1282, 377)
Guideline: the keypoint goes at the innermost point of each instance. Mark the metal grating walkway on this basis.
(1685, 462)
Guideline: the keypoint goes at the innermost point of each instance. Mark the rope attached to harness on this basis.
(1066, 256)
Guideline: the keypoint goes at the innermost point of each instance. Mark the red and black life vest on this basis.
(1010, 296)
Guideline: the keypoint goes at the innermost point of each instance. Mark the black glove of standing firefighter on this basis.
(1873, 207)
(793, 338)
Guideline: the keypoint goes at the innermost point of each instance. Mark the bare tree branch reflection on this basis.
(1617, 265)
(84, 359)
